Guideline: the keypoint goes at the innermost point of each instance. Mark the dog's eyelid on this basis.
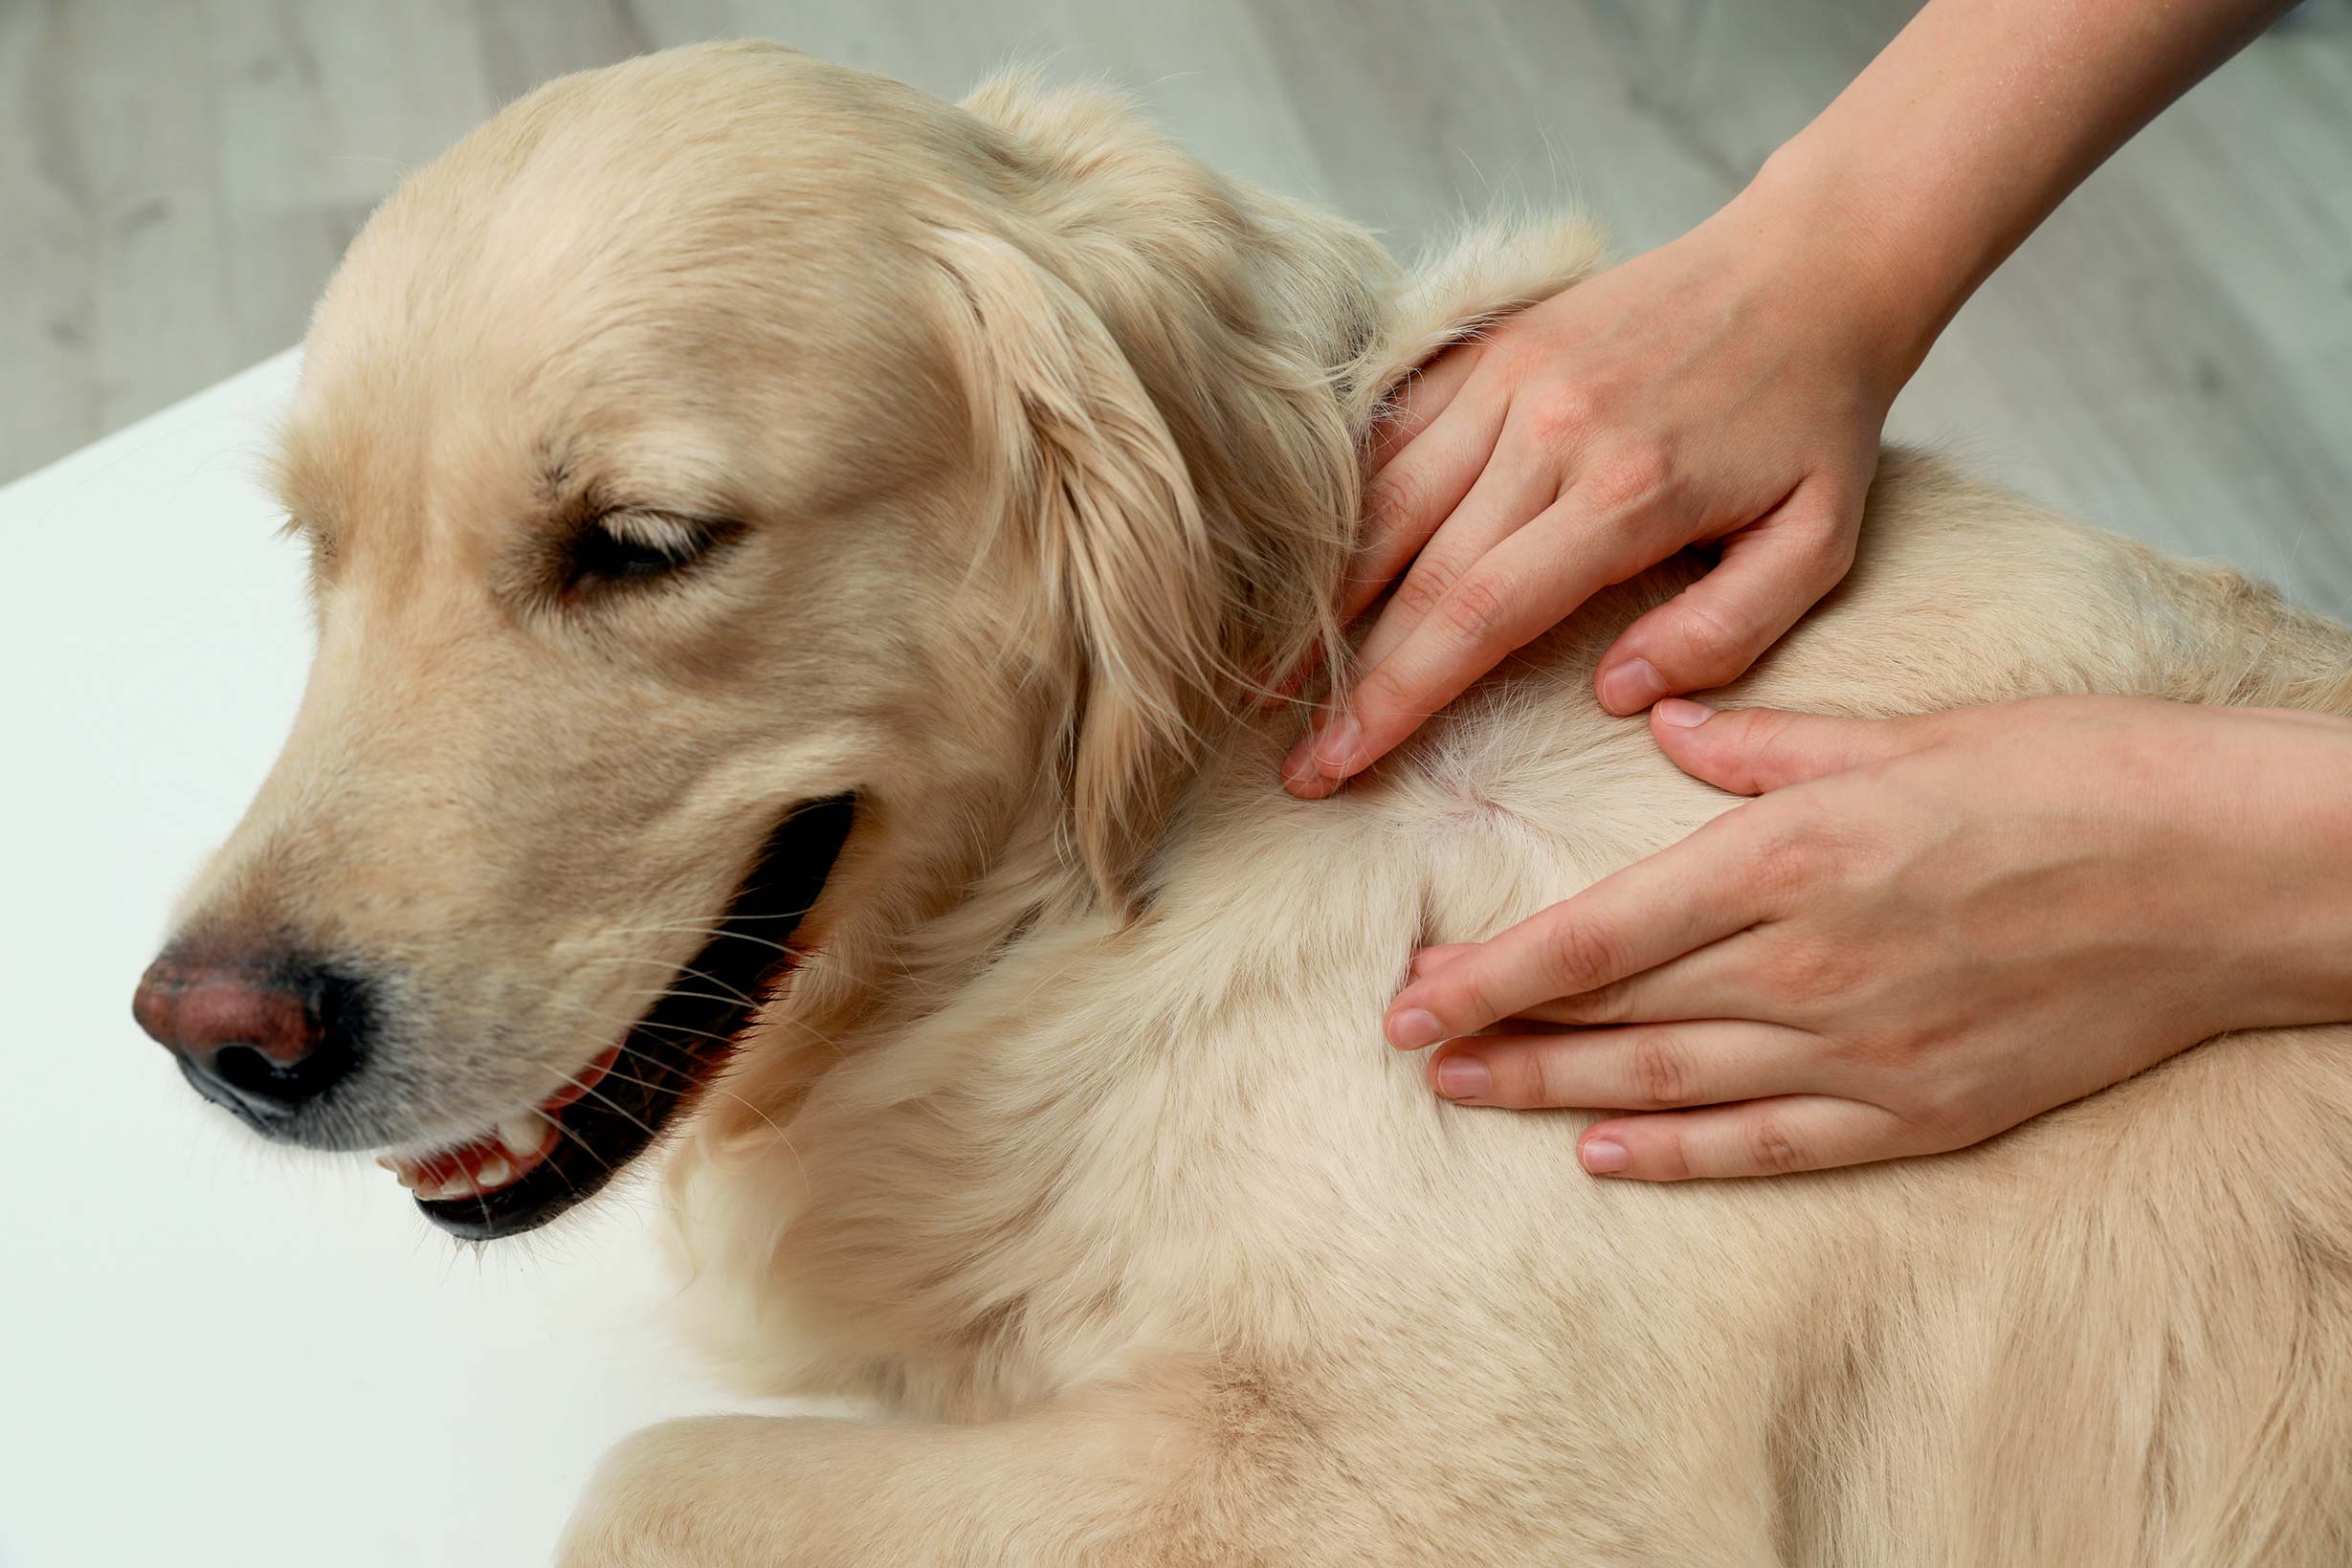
(681, 533)
(627, 545)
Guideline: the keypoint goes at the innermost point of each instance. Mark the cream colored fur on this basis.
(1074, 1147)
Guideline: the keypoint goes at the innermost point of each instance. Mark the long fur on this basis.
(1074, 1147)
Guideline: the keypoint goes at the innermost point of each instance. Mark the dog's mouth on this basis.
(528, 1167)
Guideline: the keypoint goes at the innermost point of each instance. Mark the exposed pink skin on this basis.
(469, 1158)
(429, 1171)
(582, 1081)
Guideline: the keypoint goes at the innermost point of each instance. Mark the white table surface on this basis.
(213, 1351)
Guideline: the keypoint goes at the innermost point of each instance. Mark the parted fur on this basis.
(1075, 1145)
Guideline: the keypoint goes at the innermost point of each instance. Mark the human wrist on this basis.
(2278, 898)
(1890, 293)
(2315, 847)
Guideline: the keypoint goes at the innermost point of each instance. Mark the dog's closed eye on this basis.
(618, 548)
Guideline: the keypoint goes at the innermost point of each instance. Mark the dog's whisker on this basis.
(687, 971)
(580, 1010)
(706, 930)
(584, 1144)
(588, 1092)
(607, 961)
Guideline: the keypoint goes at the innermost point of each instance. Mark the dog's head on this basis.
(744, 495)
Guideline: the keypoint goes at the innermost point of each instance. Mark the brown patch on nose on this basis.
(263, 1035)
(196, 1009)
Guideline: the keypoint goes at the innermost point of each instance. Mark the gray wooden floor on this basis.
(2171, 355)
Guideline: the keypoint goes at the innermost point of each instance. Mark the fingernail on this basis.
(1320, 760)
(1464, 1078)
(1682, 713)
(1632, 687)
(1300, 765)
(1336, 747)
(1603, 1156)
(1415, 1027)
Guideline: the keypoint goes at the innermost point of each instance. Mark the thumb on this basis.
(1749, 751)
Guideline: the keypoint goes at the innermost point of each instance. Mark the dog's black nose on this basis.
(262, 1037)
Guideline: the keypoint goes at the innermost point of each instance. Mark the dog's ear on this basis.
(1100, 511)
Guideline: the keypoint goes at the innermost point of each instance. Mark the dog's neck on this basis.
(1270, 399)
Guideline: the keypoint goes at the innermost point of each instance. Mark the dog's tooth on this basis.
(523, 1136)
(460, 1185)
(495, 1172)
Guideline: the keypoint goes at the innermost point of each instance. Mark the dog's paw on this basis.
(653, 1502)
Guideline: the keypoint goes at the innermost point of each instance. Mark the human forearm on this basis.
(1963, 135)
(2283, 816)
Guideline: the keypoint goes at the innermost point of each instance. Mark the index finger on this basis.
(1520, 589)
(1440, 445)
(1679, 900)
(1420, 396)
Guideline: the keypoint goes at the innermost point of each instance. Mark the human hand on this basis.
(1728, 387)
(1925, 932)
(1731, 386)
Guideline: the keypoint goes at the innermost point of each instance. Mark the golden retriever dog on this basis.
(792, 557)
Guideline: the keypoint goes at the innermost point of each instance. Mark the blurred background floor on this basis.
(2170, 356)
